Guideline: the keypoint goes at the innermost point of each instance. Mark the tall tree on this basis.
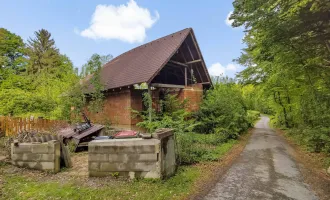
(95, 62)
(93, 67)
(42, 52)
(12, 51)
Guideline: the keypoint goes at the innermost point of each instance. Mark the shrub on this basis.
(252, 117)
(316, 139)
(222, 110)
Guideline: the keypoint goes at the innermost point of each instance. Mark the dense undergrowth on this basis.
(203, 135)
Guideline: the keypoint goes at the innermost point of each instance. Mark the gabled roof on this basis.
(142, 63)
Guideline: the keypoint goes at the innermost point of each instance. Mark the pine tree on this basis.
(42, 52)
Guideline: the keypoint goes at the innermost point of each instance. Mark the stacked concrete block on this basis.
(41, 156)
(134, 158)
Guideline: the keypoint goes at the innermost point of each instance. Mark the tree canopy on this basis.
(287, 58)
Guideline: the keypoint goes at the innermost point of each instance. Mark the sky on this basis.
(81, 28)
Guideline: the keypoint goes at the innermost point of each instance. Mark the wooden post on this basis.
(150, 103)
(185, 76)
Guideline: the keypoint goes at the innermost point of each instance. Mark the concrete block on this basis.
(150, 174)
(49, 166)
(39, 148)
(110, 174)
(163, 133)
(96, 157)
(123, 149)
(22, 148)
(93, 166)
(125, 158)
(33, 157)
(114, 167)
(57, 164)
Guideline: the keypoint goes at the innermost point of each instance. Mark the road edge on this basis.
(216, 170)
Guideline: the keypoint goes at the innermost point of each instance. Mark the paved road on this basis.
(264, 170)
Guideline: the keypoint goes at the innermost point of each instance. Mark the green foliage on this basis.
(252, 117)
(223, 110)
(93, 69)
(316, 139)
(12, 49)
(43, 55)
(287, 60)
(36, 80)
(172, 115)
(195, 147)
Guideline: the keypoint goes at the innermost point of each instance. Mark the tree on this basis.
(42, 52)
(95, 62)
(288, 58)
(12, 52)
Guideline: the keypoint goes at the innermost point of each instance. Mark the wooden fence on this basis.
(10, 126)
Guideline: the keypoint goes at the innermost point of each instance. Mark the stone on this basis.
(328, 170)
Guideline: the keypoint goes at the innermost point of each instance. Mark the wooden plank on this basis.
(193, 61)
(185, 76)
(178, 63)
(161, 85)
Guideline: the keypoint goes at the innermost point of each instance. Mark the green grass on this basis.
(17, 187)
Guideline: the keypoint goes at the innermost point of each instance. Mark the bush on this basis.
(173, 115)
(223, 110)
(315, 139)
(252, 117)
(194, 147)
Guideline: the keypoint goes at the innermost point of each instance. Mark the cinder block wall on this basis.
(41, 156)
(134, 158)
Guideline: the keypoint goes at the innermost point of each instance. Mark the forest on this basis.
(37, 80)
(287, 59)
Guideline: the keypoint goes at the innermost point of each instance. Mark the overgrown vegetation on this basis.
(205, 134)
(287, 60)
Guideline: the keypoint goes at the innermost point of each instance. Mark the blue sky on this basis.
(81, 28)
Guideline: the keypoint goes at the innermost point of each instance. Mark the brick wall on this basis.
(194, 94)
(116, 108)
(41, 156)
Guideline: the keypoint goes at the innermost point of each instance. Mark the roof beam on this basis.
(193, 61)
(161, 85)
(178, 63)
(200, 55)
(192, 57)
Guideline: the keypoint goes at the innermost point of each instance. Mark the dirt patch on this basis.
(213, 171)
(311, 167)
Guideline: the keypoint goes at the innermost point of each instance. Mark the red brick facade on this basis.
(118, 105)
(194, 95)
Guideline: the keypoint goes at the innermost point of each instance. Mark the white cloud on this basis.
(231, 67)
(217, 69)
(124, 22)
(229, 21)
